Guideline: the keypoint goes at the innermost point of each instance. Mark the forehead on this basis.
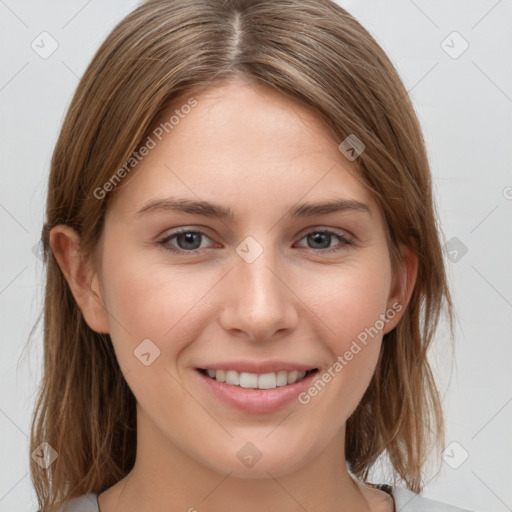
(243, 144)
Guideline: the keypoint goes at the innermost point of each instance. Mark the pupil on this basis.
(188, 239)
(317, 238)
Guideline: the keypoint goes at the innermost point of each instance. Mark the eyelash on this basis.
(345, 241)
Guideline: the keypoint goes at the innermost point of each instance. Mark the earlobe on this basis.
(80, 276)
(404, 283)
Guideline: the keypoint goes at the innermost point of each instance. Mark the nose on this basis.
(259, 303)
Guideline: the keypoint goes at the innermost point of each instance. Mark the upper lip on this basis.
(258, 366)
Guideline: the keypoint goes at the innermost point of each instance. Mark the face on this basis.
(245, 280)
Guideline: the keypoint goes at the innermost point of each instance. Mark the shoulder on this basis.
(405, 501)
(408, 501)
(84, 503)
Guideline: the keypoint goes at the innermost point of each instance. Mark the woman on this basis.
(274, 360)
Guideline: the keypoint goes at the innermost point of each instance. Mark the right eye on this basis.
(187, 240)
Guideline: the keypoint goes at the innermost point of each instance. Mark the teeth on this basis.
(255, 380)
(282, 378)
(233, 378)
(292, 377)
(248, 380)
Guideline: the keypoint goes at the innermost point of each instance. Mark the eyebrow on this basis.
(225, 212)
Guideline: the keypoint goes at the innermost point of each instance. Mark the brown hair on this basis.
(317, 53)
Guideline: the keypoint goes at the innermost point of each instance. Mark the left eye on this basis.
(188, 241)
(320, 237)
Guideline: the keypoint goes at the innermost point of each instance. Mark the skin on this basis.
(260, 153)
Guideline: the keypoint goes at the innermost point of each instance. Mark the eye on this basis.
(322, 240)
(189, 241)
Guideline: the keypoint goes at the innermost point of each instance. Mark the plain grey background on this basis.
(455, 59)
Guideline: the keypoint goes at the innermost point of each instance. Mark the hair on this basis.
(310, 50)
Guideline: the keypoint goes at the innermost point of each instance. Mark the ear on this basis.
(83, 281)
(403, 286)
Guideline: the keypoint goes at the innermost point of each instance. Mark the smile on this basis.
(257, 380)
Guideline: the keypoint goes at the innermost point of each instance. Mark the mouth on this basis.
(255, 392)
(261, 381)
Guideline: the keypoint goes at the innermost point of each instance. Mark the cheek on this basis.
(154, 315)
(350, 306)
(350, 300)
(151, 301)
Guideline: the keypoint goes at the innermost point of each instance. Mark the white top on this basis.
(405, 501)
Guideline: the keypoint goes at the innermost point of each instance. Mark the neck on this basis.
(165, 478)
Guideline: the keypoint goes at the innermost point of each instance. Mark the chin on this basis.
(261, 459)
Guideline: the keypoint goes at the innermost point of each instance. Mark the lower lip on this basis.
(256, 400)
